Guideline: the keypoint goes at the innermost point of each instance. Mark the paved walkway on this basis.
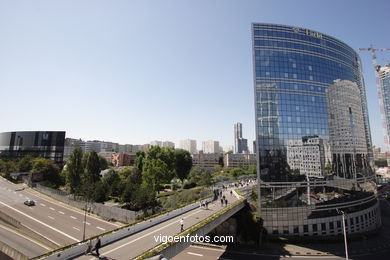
(135, 245)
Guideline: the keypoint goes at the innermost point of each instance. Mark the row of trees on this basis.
(35, 166)
(136, 186)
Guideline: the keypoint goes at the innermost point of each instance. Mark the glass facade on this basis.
(312, 127)
(384, 73)
(48, 145)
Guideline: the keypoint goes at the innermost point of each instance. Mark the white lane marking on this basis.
(148, 234)
(61, 212)
(190, 253)
(50, 217)
(100, 228)
(73, 217)
(20, 195)
(76, 228)
(43, 205)
(40, 222)
(51, 208)
(68, 207)
(27, 238)
(88, 223)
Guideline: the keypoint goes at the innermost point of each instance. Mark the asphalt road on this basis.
(133, 246)
(23, 244)
(58, 222)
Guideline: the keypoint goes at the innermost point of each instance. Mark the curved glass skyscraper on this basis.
(312, 130)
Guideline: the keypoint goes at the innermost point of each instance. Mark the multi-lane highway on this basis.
(58, 222)
(25, 245)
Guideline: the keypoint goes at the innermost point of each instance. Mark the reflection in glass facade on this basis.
(312, 128)
(47, 144)
(384, 73)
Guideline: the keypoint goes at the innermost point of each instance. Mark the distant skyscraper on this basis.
(189, 145)
(384, 73)
(156, 143)
(168, 144)
(240, 144)
(210, 146)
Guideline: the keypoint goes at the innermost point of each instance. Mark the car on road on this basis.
(29, 203)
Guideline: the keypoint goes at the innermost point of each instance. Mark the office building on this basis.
(240, 143)
(45, 144)
(210, 146)
(206, 160)
(189, 145)
(312, 134)
(384, 74)
(235, 160)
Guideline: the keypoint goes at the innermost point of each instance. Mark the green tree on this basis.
(155, 173)
(91, 167)
(103, 163)
(48, 169)
(112, 181)
(138, 163)
(25, 164)
(206, 179)
(235, 172)
(90, 174)
(183, 163)
(99, 192)
(74, 169)
(7, 167)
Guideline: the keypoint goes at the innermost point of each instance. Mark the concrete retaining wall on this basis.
(176, 248)
(79, 249)
(11, 253)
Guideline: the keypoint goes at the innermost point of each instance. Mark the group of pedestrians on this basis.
(204, 204)
(224, 200)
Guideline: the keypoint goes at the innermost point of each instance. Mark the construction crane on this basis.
(379, 88)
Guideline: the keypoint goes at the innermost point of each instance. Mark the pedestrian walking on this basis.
(226, 202)
(207, 205)
(221, 202)
(231, 192)
(97, 246)
(181, 224)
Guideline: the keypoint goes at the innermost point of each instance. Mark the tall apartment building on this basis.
(189, 145)
(156, 143)
(210, 146)
(384, 74)
(168, 144)
(240, 143)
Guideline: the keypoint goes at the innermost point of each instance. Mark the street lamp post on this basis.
(85, 219)
(345, 232)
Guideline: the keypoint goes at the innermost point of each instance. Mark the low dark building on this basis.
(45, 144)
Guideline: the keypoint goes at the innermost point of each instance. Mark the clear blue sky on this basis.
(137, 71)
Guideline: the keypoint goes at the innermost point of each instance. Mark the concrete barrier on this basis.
(80, 248)
(10, 220)
(11, 253)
